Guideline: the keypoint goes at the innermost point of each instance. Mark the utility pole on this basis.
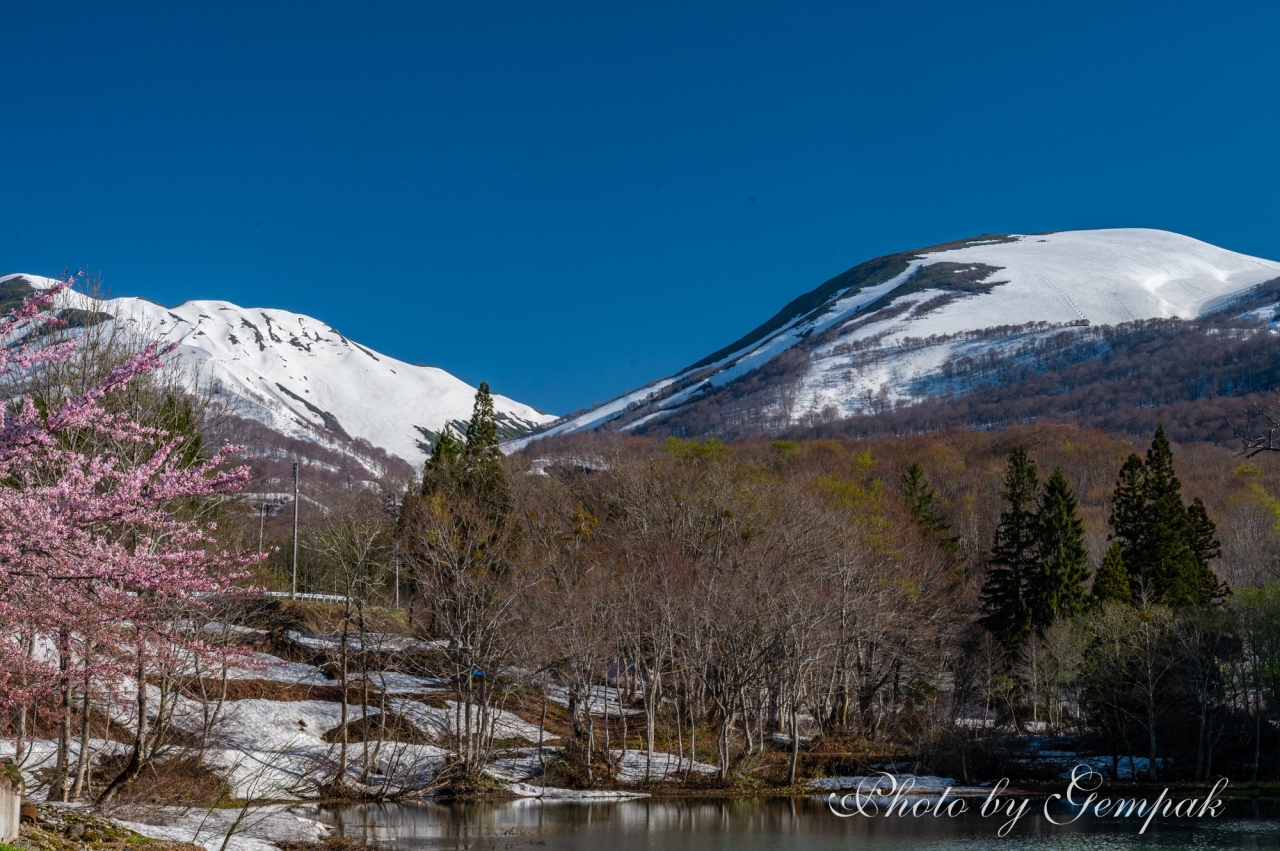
(262, 522)
(293, 587)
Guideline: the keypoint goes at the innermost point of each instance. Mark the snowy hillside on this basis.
(888, 331)
(303, 378)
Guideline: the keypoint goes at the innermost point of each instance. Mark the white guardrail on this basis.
(327, 598)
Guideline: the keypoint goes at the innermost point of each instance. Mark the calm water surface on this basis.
(770, 824)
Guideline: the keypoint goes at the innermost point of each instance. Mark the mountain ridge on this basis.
(882, 333)
(300, 376)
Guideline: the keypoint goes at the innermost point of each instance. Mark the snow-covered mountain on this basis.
(895, 329)
(303, 378)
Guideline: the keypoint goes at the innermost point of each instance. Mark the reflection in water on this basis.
(712, 825)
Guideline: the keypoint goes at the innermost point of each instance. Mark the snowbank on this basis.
(519, 764)
(552, 793)
(634, 766)
(437, 723)
(602, 700)
(926, 785)
(268, 667)
(261, 827)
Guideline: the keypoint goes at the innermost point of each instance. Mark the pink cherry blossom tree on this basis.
(97, 560)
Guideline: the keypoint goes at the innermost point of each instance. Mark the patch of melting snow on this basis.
(436, 722)
(906, 784)
(634, 766)
(260, 830)
(602, 699)
(43, 753)
(275, 669)
(519, 764)
(258, 724)
(552, 793)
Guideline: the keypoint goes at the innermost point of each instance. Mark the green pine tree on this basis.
(1056, 585)
(441, 466)
(1203, 543)
(1013, 553)
(1111, 583)
(1166, 545)
(920, 500)
(481, 472)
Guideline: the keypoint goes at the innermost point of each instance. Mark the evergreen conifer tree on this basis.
(1013, 553)
(1166, 545)
(441, 465)
(1111, 584)
(481, 472)
(1203, 543)
(919, 496)
(1056, 585)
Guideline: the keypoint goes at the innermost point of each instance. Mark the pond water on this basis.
(769, 824)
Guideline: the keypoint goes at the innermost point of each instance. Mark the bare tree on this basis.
(357, 542)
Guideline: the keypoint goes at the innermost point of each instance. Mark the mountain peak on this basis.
(303, 378)
(878, 333)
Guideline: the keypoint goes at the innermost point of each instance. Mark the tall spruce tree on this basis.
(1013, 553)
(1111, 584)
(1203, 543)
(440, 468)
(1056, 585)
(920, 499)
(481, 473)
(1166, 545)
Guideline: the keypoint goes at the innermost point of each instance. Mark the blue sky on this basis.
(570, 200)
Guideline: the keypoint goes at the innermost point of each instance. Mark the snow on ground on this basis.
(218, 628)
(1098, 277)
(552, 793)
(519, 764)
(269, 725)
(276, 749)
(602, 699)
(906, 784)
(43, 754)
(438, 723)
(596, 416)
(260, 828)
(635, 767)
(268, 667)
